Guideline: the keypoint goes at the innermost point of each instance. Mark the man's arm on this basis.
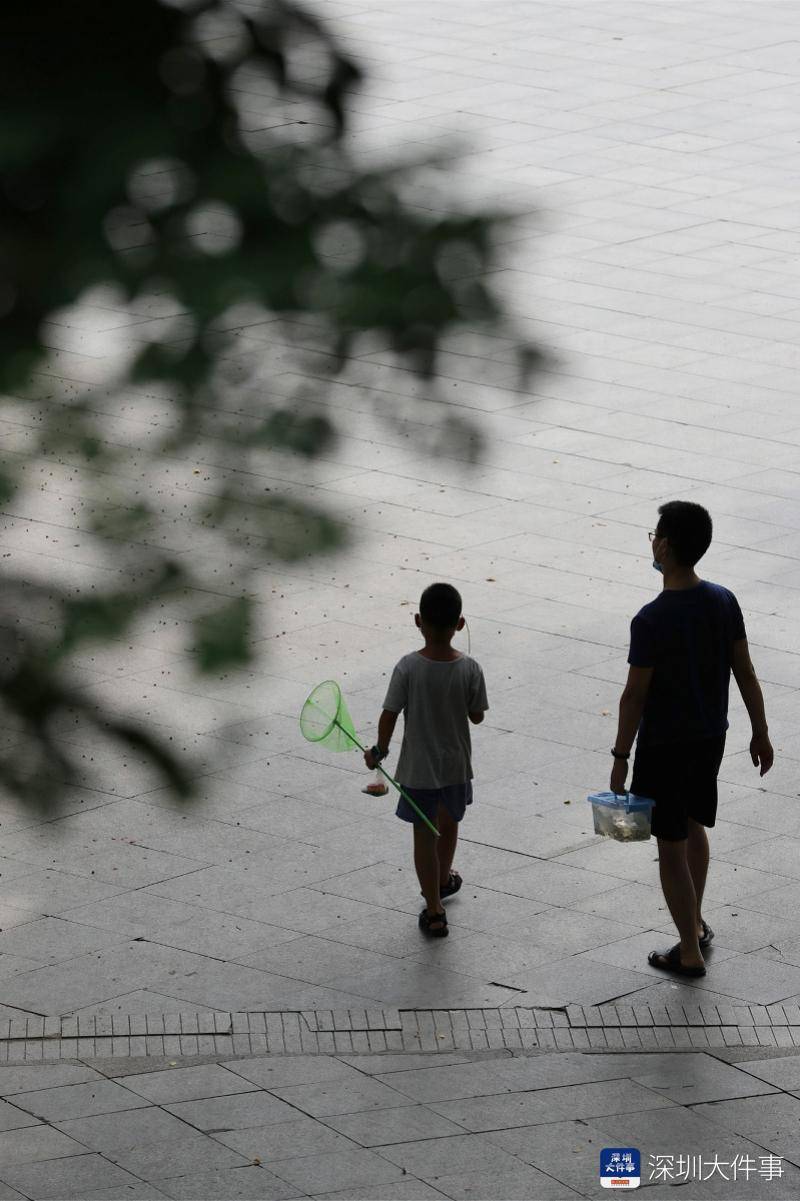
(477, 717)
(386, 725)
(631, 707)
(744, 673)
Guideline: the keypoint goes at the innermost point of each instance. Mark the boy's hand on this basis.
(761, 752)
(619, 774)
(370, 762)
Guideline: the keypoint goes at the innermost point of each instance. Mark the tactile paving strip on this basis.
(574, 1027)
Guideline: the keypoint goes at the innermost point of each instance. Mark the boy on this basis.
(439, 691)
(684, 646)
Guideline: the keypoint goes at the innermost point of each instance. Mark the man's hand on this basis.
(619, 774)
(761, 752)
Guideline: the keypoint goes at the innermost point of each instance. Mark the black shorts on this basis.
(682, 780)
(454, 798)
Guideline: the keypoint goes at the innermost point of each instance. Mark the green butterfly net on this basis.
(325, 719)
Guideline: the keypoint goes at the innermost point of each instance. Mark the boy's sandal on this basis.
(670, 961)
(433, 924)
(708, 936)
(452, 886)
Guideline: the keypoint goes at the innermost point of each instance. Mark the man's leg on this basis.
(697, 856)
(446, 843)
(426, 861)
(679, 893)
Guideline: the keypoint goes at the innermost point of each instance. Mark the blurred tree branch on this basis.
(134, 181)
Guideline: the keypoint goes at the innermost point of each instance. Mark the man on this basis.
(684, 646)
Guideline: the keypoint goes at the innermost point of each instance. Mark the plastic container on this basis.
(623, 816)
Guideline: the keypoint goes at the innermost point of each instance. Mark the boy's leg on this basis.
(446, 843)
(697, 855)
(679, 893)
(426, 861)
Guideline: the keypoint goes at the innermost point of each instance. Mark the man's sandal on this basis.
(670, 961)
(433, 924)
(452, 886)
(707, 936)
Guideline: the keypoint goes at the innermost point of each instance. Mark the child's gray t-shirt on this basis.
(435, 699)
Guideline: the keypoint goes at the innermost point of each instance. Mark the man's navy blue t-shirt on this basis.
(687, 635)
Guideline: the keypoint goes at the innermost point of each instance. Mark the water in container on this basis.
(622, 816)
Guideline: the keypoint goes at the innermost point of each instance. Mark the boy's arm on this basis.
(386, 725)
(761, 751)
(478, 702)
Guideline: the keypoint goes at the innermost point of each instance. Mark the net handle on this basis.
(391, 780)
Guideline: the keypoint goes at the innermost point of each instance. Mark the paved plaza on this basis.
(652, 150)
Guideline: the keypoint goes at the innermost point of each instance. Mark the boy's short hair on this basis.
(440, 606)
(687, 527)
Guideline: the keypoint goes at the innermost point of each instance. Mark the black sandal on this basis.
(426, 924)
(452, 886)
(707, 937)
(670, 961)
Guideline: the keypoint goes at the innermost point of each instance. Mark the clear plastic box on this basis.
(622, 816)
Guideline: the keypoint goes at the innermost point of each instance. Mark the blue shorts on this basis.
(454, 797)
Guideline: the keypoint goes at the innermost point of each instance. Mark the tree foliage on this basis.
(134, 181)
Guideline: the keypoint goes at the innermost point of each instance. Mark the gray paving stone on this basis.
(432, 1158)
(407, 1061)
(68, 1177)
(783, 1073)
(186, 1083)
(7, 1193)
(237, 1112)
(579, 979)
(254, 1183)
(341, 1096)
(399, 1190)
(754, 978)
(195, 1153)
(110, 1132)
(279, 1071)
(78, 1100)
(527, 1109)
(286, 1140)
(12, 1118)
(770, 1122)
(568, 1151)
(317, 961)
(131, 1192)
(519, 1184)
(314, 1174)
(382, 1127)
(447, 1082)
(688, 1081)
(34, 1144)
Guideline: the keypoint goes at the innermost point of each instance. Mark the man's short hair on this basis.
(440, 606)
(687, 527)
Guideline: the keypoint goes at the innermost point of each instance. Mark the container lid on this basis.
(620, 800)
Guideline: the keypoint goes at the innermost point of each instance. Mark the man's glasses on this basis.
(652, 534)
